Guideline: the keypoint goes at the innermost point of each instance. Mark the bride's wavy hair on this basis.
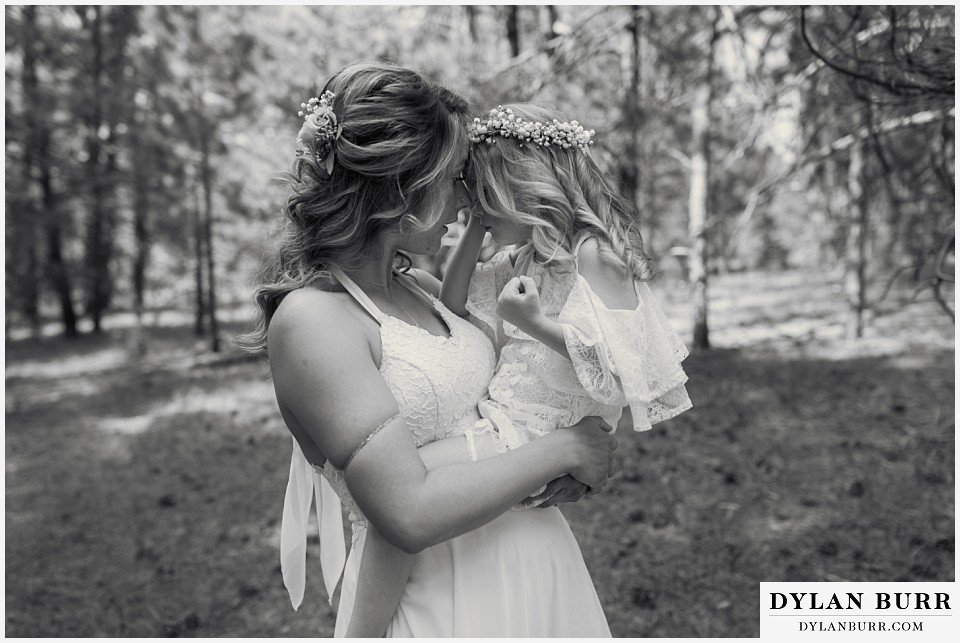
(561, 194)
(400, 134)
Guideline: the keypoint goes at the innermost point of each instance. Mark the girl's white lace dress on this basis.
(520, 575)
(618, 358)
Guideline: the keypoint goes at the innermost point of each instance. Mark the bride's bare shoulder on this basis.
(310, 313)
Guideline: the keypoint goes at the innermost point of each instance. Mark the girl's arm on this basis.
(519, 303)
(334, 398)
(463, 261)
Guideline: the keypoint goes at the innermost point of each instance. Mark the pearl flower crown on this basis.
(320, 129)
(503, 122)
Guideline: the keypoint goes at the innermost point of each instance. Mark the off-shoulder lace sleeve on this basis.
(485, 285)
(626, 357)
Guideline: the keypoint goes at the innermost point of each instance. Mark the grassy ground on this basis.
(143, 494)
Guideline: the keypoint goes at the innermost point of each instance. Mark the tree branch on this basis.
(526, 55)
(891, 125)
(898, 88)
(680, 157)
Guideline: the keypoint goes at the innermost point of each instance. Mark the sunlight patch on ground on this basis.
(794, 329)
(174, 318)
(240, 398)
(246, 399)
(112, 357)
(775, 525)
(249, 402)
(127, 320)
(911, 361)
(805, 314)
(126, 425)
(19, 400)
(116, 448)
(840, 348)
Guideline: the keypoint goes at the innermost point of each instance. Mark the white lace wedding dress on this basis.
(521, 575)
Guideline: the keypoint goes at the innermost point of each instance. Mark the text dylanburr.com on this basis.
(865, 611)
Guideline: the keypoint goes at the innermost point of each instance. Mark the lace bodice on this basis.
(617, 357)
(436, 381)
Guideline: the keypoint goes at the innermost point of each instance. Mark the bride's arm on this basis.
(453, 450)
(325, 376)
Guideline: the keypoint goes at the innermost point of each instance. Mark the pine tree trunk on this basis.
(206, 178)
(648, 201)
(700, 198)
(141, 205)
(856, 255)
(30, 293)
(698, 215)
(95, 252)
(630, 167)
(31, 304)
(57, 271)
(550, 32)
(200, 308)
(471, 21)
(835, 212)
(513, 30)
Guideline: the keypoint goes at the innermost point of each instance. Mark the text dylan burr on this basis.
(854, 600)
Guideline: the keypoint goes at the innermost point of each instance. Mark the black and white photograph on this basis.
(488, 321)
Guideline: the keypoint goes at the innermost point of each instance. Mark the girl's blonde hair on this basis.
(401, 133)
(561, 194)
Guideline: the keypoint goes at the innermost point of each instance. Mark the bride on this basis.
(368, 367)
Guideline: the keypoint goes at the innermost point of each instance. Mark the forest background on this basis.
(795, 173)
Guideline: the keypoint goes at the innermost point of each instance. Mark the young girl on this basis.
(577, 329)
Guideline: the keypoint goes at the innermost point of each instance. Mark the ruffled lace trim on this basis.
(626, 357)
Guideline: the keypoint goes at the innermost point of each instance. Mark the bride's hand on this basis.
(593, 446)
(563, 489)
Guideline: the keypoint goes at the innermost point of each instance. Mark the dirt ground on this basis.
(143, 495)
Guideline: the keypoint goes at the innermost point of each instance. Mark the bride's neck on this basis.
(375, 274)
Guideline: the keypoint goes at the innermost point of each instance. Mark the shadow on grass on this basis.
(149, 506)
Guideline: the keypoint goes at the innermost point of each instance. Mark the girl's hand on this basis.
(475, 214)
(593, 446)
(519, 303)
(474, 222)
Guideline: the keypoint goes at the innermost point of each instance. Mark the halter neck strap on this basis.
(410, 283)
(361, 297)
